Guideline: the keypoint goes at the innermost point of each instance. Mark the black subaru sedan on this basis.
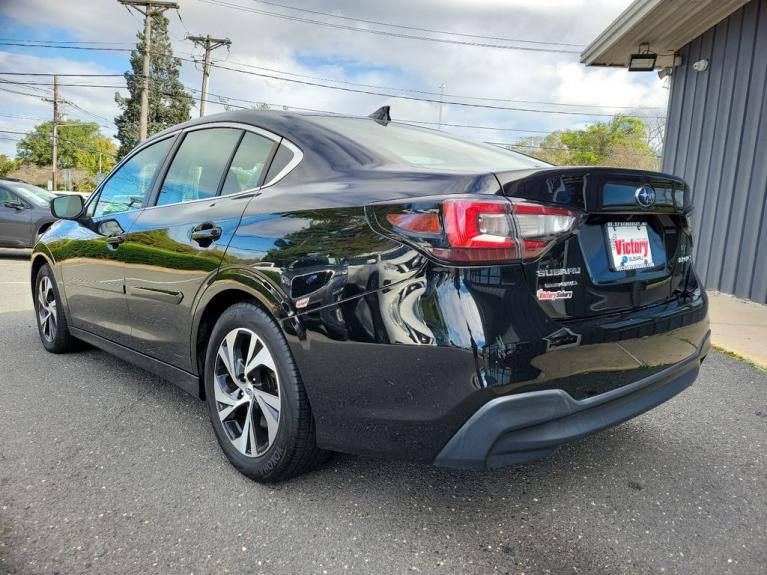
(331, 283)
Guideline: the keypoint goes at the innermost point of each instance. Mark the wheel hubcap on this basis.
(247, 392)
(47, 314)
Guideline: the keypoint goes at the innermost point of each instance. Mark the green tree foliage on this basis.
(337, 232)
(622, 142)
(169, 103)
(79, 146)
(6, 165)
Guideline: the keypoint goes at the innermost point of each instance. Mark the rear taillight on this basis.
(472, 231)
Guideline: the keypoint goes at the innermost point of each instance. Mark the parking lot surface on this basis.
(105, 468)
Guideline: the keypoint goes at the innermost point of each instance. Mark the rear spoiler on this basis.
(597, 189)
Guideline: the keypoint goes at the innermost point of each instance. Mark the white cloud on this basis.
(260, 40)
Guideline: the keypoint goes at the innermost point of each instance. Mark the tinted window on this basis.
(197, 168)
(427, 148)
(281, 159)
(6, 196)
(128, 188)
(34, 195)
(248, 164)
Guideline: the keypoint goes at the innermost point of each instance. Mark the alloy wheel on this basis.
(247, 392)
(47, 313)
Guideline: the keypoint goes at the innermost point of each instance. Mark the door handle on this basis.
(114, 241)
(206, 233)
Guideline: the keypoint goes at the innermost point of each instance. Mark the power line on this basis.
(379, 87)
(411, 98)
(415, 91)
(372, 86)
(61, 75)
(75, 85)
(385, 32)
(60, 41)
(229, 99)
(388, 95)
(64, 47)
(416, 28)
(226, 100)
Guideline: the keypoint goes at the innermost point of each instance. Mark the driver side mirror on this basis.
(15, 205)
(67, 207)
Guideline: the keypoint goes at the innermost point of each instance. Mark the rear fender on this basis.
(250, 282)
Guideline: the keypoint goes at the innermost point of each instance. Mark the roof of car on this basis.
(280, 122)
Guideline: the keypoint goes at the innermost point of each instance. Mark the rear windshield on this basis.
(427, 148)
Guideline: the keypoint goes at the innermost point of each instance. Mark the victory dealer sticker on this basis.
(629, 245)
(545, 295)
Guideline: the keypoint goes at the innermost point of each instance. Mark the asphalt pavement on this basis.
(105, 468)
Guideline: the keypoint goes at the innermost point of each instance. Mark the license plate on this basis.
(629, 245)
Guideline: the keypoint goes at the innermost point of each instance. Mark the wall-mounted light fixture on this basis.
(700, 65)
(643, 61)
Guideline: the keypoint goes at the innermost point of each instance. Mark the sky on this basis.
(546, 90)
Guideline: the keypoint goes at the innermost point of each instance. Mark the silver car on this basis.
(25, 213)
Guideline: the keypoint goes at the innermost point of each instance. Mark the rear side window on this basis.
(198, 166)
(248, 164)
(127, 188)
(427, 148)
(281, 160)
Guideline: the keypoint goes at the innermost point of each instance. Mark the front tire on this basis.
(51, 322)
(256, 399)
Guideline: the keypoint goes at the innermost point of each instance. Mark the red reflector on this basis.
(427, 223)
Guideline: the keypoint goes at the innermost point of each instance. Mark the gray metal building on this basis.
(716, 127)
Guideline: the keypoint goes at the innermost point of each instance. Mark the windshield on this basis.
(428, 148)
(34, 195)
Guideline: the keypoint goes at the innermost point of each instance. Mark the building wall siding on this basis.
(716, 139)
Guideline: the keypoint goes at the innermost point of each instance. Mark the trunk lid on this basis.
(630, 248)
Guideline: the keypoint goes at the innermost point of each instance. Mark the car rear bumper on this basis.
(527, 426)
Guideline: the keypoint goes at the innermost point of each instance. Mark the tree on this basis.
(6, 165)
(622, 142)
(79, 146)
(169, 103)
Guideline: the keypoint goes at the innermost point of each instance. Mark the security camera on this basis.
(665, 72)
(700, 65)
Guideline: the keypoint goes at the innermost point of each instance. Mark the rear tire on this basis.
(49, 311)
(256, 400)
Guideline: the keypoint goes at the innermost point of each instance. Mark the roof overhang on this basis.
(665, 25)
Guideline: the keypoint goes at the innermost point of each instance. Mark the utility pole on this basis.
(54, 153)
(209, 44)
(151, 8)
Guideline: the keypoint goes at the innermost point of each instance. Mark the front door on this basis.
(15, 220)
(183, 237)
(92, 259)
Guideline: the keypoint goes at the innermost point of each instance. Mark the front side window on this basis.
(128, 188)
(248, 164)
(196, 170)
(34, 195)
(6, 196)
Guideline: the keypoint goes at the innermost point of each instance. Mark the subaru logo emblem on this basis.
(645, 196)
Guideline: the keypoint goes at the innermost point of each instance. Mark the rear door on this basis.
(179, 242)
(631, 246)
